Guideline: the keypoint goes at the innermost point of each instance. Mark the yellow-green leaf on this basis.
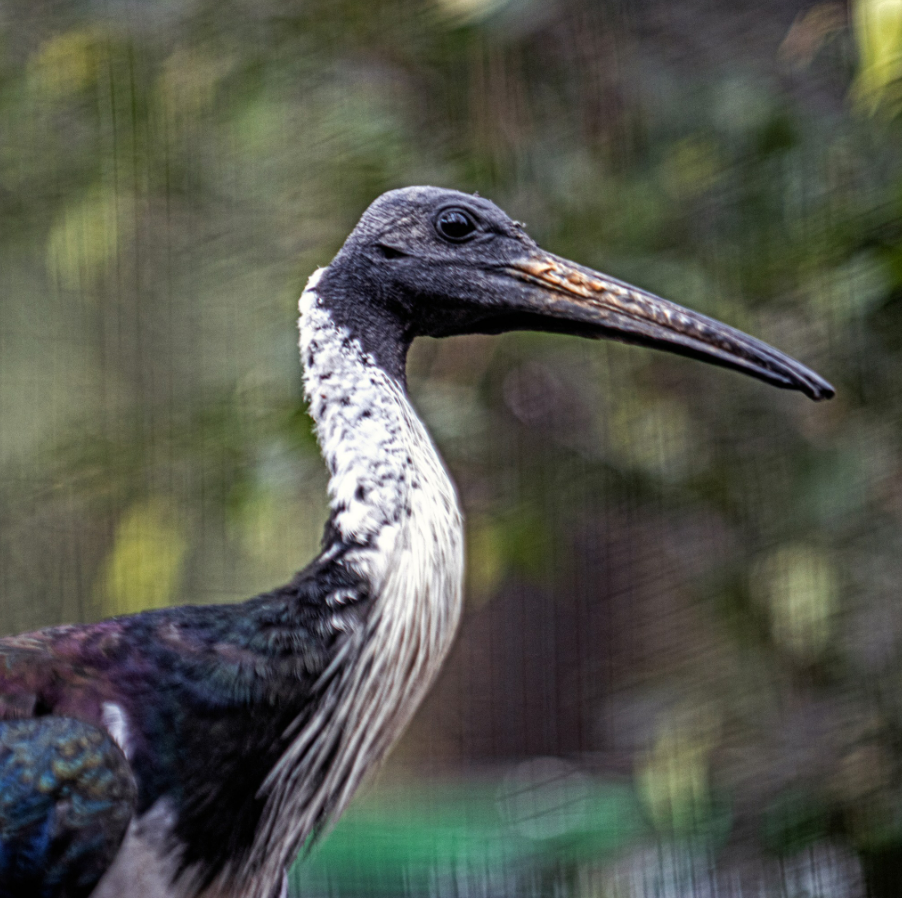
(144, 567)
(878, 34)
(68, 63)
(799, 587)
(86, 239)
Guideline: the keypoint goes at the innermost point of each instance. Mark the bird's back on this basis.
(186, 710)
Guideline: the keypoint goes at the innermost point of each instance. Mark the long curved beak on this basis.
(569, 298)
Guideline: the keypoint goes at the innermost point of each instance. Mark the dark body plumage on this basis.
(215, 688)
(241, 731)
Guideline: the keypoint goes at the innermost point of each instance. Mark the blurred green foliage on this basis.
(678, 578)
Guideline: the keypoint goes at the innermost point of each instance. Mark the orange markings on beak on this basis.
(602, 306)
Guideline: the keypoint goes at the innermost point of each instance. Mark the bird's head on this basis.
(425, 261)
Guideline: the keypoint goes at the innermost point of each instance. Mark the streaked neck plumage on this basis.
(396, 517)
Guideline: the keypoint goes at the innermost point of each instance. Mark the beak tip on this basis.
(818, 389)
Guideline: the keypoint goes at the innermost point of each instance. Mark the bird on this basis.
(192, 752)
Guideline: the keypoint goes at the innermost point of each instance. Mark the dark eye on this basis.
(455, 224)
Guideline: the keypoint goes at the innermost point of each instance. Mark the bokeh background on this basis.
(680, 669)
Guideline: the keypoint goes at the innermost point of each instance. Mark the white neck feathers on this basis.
(395, 504)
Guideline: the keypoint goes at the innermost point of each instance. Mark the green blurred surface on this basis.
(393, 844)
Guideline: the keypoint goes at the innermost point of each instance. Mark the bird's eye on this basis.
(455, 225)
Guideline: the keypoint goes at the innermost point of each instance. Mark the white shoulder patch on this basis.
(116, 724)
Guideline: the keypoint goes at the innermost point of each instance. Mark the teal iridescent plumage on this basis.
(66, 798)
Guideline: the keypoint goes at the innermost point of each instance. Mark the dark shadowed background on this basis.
(680, 669)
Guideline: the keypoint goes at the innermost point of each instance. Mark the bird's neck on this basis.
(397, 523)
(386, 477)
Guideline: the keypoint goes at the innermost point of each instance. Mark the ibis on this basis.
(191, 752)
